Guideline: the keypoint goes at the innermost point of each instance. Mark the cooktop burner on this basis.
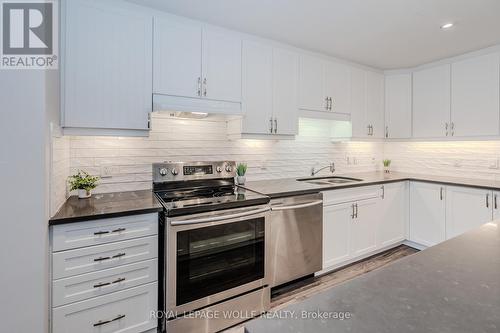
(195, 187)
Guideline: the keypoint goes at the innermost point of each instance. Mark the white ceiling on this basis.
(385, 34)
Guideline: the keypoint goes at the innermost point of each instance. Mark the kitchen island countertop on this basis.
(451, 287)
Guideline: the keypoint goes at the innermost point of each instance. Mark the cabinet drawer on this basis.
(81, 287)
(94, 258)
(127, 311)
(352, 194)
(88, 233)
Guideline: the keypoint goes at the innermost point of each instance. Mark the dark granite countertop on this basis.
(101, 206)
(291, 186)
(451, 287)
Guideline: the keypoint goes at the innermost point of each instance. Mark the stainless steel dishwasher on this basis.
(296, 237)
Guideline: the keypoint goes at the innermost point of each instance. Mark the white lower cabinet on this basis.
(496, 205)
(105, 284)
(427, 213)
(364, 226)
(466, 209)
(127, 311)
(337, 221)
(394, 219)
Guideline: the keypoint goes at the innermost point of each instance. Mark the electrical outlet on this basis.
(495, 164)
(106, 171)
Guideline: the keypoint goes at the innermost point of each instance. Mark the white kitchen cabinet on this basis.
(312, 84)
(398, 97)
(427, 213)
(221, 66)
(257, 101)
(364, 227)
(475, 92)
(107, 69)
(324, 85)
(270, 91)
(394, 218)
(337, 220)
(177, 69)
(338, 87)
(285, 91)
(367, 108)
(431, 102)
(466, 209)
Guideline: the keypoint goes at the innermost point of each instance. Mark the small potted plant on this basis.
(241, 170)
(84, 183)
(387, 164)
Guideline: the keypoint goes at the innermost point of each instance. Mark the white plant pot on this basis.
(241, 180)
(387, 169)
(84, 194)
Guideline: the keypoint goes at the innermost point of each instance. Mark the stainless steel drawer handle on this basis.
(119, 255)
(104, 322)
(101, 284)
(304, 205)
(102, 258)
(221, 217)
(119, 230)
(118, 280)
(97, 233)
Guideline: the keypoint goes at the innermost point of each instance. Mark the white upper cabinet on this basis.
(466, 209)
(285, 91)
(107, 66)
(475, 96)
(338, 87)
(398, 106)
(431, 102)
(367, 107)
(312, 84)
(221, 66)
(324, 85)
(177, 69)
(257, 100)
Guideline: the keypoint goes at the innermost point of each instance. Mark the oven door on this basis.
(214, 256)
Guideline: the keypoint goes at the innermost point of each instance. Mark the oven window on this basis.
(218, 258)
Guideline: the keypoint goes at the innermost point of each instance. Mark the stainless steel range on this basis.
(214, 246)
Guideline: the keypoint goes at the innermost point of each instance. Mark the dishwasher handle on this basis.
(304, 205)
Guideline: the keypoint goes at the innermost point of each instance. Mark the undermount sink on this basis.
(332, 180)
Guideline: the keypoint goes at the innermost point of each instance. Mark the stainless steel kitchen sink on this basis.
(332, 180)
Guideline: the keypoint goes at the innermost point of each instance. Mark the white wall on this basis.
(188, 140)
(24, 101)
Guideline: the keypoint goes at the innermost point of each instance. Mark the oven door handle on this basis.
(308, 204)
(221, 217)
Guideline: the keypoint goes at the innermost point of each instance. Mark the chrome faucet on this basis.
(331, 166)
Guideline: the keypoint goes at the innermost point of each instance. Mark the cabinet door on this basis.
(177, 58)
(257, 99)
(431, 102)
(285, 91)
(364, 227)
(338, 87)
(358, 105)
(398, 106)
(108, 66)
(337, 220)
(221, 66)
(475, 96)
(394, 217)
(375, 103)
(466, 209)
(427, 213)
(312, 84)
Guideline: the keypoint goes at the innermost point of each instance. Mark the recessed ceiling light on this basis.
(447, 26)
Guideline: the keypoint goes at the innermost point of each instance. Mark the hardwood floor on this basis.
(300, 290)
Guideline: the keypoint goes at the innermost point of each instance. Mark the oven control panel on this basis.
(176, 171)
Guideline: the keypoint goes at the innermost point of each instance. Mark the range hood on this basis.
(187, 107)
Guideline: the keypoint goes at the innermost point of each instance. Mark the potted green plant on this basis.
(84, 183)
(241, 170)
(387, 164)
